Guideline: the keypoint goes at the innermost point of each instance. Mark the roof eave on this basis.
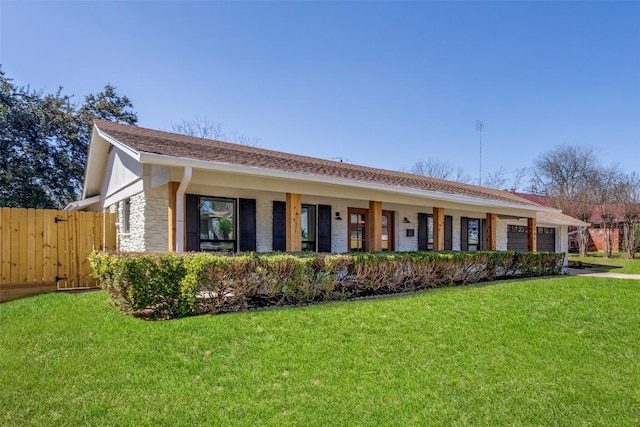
(165, 160)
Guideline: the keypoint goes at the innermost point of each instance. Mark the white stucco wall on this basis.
(156, 219)
(501, 234)
(264, 224)
(403, 242)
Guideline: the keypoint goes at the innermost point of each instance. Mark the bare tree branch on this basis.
(202, 127)
(435, 168)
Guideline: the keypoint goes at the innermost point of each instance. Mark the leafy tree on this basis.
(44, 140)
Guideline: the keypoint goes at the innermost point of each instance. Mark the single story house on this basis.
(179, 193)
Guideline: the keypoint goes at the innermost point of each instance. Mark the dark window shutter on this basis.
(464, 233)
(482, 238)
(247, 219)
(192, 222)
(279, 226)
(324, 228)
(423, 232)
(448, 233)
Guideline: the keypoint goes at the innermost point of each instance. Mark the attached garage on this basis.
(546, 239)
(517, 238)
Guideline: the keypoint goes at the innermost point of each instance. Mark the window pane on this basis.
(308, 223)
(474, 227)
(357, 232)
(385, 233)
(308, 219)
(217, 224)
(216, 246)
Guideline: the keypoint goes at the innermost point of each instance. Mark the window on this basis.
(217, 224)
(358, 230)
(308, 228)
(474, 234)
(429, 232)
(474, 238)
(126, 214)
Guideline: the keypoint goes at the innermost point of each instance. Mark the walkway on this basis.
(591, 273)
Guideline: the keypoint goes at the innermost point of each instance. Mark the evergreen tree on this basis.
(44, 140)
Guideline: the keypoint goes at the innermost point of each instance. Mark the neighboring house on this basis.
(595, 227)
(179, 193)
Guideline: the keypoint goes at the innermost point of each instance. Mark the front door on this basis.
(358, 230)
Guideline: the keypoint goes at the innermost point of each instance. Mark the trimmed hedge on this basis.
(163, 286)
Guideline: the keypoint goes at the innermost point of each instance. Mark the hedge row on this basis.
(177, 285)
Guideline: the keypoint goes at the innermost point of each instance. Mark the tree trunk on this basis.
(583, 241)
(630, 239)
(606, 241)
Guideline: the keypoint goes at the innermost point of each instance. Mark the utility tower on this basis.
(480, 128)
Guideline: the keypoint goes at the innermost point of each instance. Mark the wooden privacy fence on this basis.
(43, 250)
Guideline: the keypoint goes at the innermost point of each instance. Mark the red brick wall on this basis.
(596, 241)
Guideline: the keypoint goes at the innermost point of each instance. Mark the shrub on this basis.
(162, 286)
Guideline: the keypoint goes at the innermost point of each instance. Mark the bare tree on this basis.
(565, 175)
(497, 179)
(436, 168)
(519, 175)
(564, 171)
(202, 127)
(627, 194)
(604, 184)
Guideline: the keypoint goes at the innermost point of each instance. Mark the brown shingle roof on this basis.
(176, 145)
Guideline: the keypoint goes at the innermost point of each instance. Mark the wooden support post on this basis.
(293, 212)
(532, 235)
(490, 232)
(171, 215)
(374, 226)
(438, 229)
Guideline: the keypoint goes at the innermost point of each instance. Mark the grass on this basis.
(551, 351)
(617, 263)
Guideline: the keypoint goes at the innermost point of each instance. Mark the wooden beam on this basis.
(490, 232)
(374, 227)
(532, 235)
(438, 229)
(293, 212)
(171, 215)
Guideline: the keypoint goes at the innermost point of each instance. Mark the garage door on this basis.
(546, 239)
(517, 238)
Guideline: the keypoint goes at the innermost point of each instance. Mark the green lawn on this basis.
(618, 263)
(554, 351)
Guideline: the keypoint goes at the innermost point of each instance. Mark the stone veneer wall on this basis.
(339, 242)
(133, 241)
(147, 222)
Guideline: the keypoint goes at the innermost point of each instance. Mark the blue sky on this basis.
(381, 84)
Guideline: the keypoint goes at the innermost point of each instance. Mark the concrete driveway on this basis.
(591, 273)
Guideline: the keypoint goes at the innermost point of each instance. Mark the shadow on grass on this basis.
(581, 265)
